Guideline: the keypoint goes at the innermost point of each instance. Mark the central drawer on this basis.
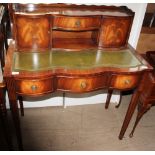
(76, 23)
(34, 87)
(73, 84)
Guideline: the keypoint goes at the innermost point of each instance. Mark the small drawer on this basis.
(81, 84)
(34, 87)
(124, 81)
(76, 23)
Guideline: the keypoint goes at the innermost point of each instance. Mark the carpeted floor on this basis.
(86, 127)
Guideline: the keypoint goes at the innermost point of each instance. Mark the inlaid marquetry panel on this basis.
(114, 31)
(32, 32)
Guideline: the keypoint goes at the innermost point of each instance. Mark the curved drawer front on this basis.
(81, 84)
(124, 81)
(34, 87)
(76, 23)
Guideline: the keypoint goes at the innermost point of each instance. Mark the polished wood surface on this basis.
(36, 65)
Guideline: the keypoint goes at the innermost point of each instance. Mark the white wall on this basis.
(99, 96)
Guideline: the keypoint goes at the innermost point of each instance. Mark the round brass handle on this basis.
(34, 87)
(83, 85)
(127, 82)
(78, 23)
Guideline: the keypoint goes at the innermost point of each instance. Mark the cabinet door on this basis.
(32, 32)
(115, 31)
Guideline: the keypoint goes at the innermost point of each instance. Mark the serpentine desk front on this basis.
(39, 73)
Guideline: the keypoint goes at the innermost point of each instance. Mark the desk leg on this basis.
(120, 100)
(3, 116)
(130, 111)
(64, 104)
(14, 110)
(142, 109)
(110, 91)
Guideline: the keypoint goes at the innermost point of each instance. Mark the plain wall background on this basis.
(56, 99)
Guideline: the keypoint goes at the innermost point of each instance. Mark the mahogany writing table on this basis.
(73, 48)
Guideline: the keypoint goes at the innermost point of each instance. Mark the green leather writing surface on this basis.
(85, 59)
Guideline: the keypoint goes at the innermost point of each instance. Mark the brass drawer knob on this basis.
(34, 87)
(83, 85)
(78, 23)
(127, 82)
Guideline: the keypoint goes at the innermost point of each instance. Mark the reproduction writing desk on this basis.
(73, 48)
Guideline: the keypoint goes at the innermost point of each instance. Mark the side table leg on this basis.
(16, 119)
(4, 120)
(14, 109)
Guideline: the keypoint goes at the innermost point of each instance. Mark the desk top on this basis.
(81, 60)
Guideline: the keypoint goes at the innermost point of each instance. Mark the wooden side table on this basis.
(147, 97)
(3, 116)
